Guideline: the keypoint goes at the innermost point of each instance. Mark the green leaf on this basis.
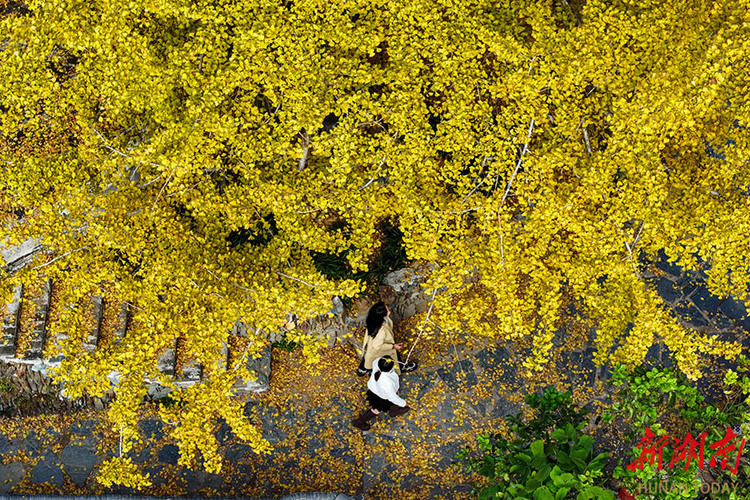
(537, 447)
(587, 442)
(558, 435)
(561, 493)
(524, 458)
(489, 492)
(564, 461)
(543, 493)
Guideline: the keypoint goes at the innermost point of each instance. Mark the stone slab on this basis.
(169, 454)
(48, 471)
(78, 462)
(10, 475)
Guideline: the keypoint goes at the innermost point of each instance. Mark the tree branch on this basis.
(295, 279)
(520, 160)
(58, 258)
(432, 303)
(586, 139)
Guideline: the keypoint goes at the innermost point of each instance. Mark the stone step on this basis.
(260, 366)
(11, 324)
(39, 328)
(166, 362)
(192, 373)
(17, 257)
(123, 321)
(92, 340)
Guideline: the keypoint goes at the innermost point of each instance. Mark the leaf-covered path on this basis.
(306, 417)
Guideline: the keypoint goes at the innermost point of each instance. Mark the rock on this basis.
(157, 391)
(11, 322)
(92, 340)
(238, 452)
(403, 280)
(579, 365)
(664, 265)
(47, 471)
(141, 456)
(445, 412)
(39, 326)
(83, 427)
(33, 444)
(8, 446)
(447, 453)
(249, 409)
(10, 475)
(338, 306)
(224, 433)
(409, 482)
(691, 315)
(78, 461)
(200, 479)
(504, 408)
(169, 454)
(314, 443)
(372, 471)
(494, 358)
(272, 432)
(343, 454)
(165, 363)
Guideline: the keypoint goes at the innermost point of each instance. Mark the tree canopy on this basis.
(191, 158)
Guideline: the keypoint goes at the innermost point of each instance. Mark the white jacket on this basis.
(387, 386)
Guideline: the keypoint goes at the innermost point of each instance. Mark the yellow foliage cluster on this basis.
(122, 471)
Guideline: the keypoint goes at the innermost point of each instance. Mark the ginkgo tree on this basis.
(191, 158)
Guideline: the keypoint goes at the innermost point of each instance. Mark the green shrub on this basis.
(549, 457)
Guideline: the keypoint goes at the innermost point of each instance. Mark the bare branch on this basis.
(367, 183)
(472, 191)
(375, 176)
(432, 303)
(162, 189)
(58, 258)
(295, 279)
(520, 160)
(151, 181)
(460, 211)
(305, 150)
(586, 138)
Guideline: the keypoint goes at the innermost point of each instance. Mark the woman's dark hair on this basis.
(375, 317)
(385, 364)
